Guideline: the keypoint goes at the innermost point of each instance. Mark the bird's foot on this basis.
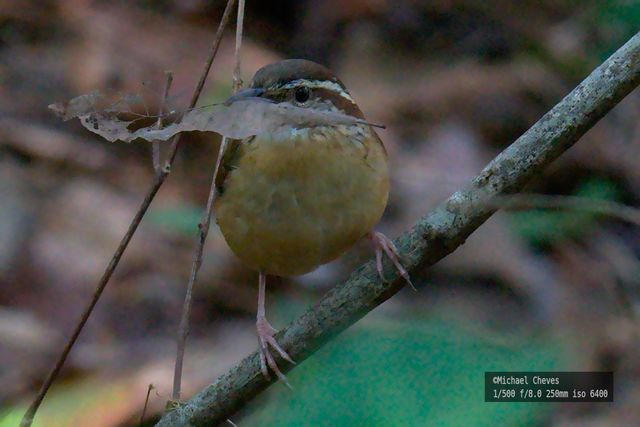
(266, 334)
(382, 244)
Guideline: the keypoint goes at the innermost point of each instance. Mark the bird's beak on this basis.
(244, 94)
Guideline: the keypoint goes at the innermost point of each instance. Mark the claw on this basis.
(272, 341)
(266, 337)
(263, 360)
(383, 244)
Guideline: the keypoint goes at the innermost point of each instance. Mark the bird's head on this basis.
(302, 83)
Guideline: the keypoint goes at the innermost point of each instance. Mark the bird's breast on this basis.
(297, 199)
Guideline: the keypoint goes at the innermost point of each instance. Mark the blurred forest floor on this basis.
(455, 81)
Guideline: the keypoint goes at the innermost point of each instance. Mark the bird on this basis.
(295, 198)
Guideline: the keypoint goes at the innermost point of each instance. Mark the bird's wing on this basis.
(230, 158)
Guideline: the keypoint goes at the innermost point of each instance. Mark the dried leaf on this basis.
(77, 106)
(238, 120)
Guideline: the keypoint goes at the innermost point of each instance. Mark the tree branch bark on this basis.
(433, 237)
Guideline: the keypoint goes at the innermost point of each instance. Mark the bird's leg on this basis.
(382, 243)
(265, 336)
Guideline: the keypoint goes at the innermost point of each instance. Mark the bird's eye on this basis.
(301, 94)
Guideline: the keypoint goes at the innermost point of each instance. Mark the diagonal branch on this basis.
(160, 177)
(433, 237)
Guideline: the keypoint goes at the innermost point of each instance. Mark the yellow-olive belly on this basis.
(297, 201)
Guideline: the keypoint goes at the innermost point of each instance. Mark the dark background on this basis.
(455, 81)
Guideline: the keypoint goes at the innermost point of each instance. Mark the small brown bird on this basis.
(296, 198)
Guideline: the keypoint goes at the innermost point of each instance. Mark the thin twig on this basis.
(237, 78)
(203, 231)
(615, 210)
(545, 201)
(434, 236)
(155, 145)
(27, 419)
(146, 403)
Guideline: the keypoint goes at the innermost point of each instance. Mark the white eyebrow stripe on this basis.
(320, 84)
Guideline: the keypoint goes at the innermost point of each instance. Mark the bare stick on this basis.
(237, 78)
(155, 145)
(27, 419)
(434, 236)
(203, 232)
(146, 403)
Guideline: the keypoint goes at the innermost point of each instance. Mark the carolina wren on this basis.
(294, 199)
